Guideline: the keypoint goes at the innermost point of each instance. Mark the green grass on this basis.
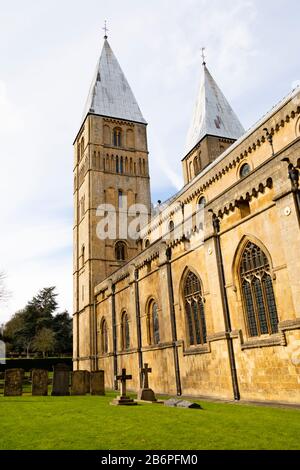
(91, 423)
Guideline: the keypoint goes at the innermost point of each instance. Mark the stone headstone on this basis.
(146, 393)
(177, 403)
(61, 379)
(13, 381)
(87, 381)
(123, 399)
(78, 382)
(97, 382)
(39, 383)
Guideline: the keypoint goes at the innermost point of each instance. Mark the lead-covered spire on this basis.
(110, 94)
(213, 115)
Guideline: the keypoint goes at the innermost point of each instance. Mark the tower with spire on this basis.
(213, 129)
(111, 169)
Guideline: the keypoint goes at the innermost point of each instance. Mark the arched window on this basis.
(117, 164)
(120, 199)
(147, 243)
(201, 202)
(196, 166)
(257, 291)
(245, 170)
(171, 226)
(104, 337)
(121, 165)
(194, 309)
(191, 170)
(153, 323)
(125, 336)
(117, 137)
(120, 251)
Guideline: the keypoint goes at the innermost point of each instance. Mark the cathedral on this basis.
(206, 290)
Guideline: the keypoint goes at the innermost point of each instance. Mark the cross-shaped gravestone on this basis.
(146, 394)
(145, 371)
(123, 378)
(123, 399)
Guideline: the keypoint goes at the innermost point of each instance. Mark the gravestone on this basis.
(177, 403)
(88, 381)
(13, 381)
(78, 382)
(146, 393)
(123, 399)
(61, 379)
(97, 382)
(39, 383)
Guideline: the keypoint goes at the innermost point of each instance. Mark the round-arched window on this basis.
(245, 170)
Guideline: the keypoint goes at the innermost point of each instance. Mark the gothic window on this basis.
(245, 170)
(120, 251)
(117, 137)
(104, 337)
(194, 309)
(120, 199)
(121, 165)
(125, 337)
(147, 243)
(153, 323)
(257, 292)
(117, 164)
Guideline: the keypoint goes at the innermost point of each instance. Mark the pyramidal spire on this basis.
(213, 115)
(110, 94)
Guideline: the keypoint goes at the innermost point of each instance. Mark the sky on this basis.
(49, 51)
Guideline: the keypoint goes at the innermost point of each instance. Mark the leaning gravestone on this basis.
(97, 382)
(13, 381)
(87, 381)
(78, 382)
(61, 379)
(176, 403)
(39, 383)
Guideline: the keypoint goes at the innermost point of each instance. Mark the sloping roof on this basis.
(213, 115)
(110, 94)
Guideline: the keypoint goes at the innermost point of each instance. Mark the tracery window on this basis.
(125, 336)
(194, 309)
(153, 323)
(257, 292)
(103, 337)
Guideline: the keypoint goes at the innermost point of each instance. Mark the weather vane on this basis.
(203, 55)
(105, 29)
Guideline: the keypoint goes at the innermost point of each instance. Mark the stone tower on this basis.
(213, 129)
(110, 168)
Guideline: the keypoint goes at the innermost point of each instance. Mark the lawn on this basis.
(91, 423)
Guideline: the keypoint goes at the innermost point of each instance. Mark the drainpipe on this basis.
(293, 174)
(114, 331)
(173, 322)
(138, 324)
(225, 305)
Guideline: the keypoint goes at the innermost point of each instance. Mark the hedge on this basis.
(35, 363)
